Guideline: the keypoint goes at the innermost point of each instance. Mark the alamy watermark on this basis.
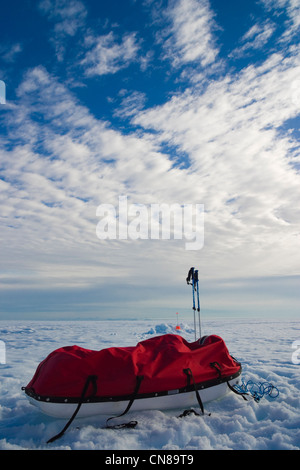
(296, 353)
(295, 89)
(2, 352)
(152, 221)
(2, 92)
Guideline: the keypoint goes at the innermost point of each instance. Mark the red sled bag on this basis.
(161, 366)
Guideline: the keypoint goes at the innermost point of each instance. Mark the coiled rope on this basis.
(257, 390)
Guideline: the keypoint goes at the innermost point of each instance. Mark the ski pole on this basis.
(198, 301)
(194, 307)
(188, 279)
(192, 273)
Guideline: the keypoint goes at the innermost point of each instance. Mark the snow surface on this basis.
(265, 349)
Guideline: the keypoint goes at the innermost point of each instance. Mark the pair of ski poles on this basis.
(193, 280)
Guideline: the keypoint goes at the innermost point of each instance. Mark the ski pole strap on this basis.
(190, 276)
(131, 424)
(91, 379)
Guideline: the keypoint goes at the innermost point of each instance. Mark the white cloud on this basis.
(292, 9)
(101, 54)
(131, 103)
(64, 162)
(10, 52)
(189, 38)
(68, 16)
(62, 165)
(255, 38)
(246, 178)
(107, 54)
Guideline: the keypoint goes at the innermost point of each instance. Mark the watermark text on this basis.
(152, 221)
(296, 353)
(2, 92)
(2, 352)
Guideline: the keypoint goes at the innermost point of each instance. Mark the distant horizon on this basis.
(237, 298)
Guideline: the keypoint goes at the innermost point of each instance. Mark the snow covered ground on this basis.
(267, 350)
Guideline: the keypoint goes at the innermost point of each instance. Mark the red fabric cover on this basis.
(160, 360)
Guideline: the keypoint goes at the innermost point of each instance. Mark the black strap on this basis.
(238, 393)
(91, 379)
(188, 412)
(215, 365)
(190, 376)
(190, 276)
(131, 424)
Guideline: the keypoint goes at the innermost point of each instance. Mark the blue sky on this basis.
(166, 102)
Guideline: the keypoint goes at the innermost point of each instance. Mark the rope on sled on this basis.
(257, 390)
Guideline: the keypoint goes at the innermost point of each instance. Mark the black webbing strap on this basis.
(189, 276)
(190, 376)
(91, 379)
(188, 413)
(215, 365)
(238, 393)
(131, 424)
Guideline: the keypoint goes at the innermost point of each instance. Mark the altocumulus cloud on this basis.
(58, 173)
(231, 127)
